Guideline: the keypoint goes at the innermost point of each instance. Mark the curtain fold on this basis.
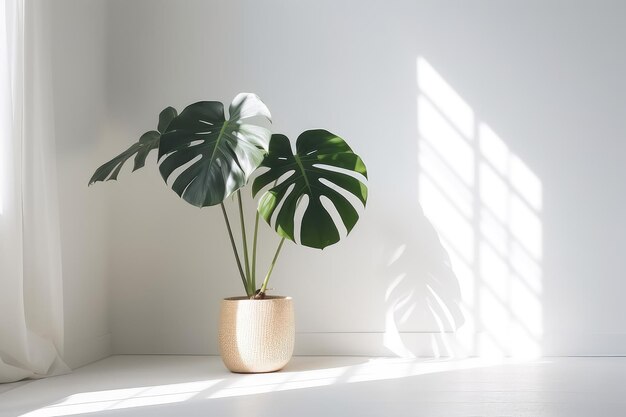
(31, 292)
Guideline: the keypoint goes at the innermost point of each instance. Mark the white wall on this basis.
(545, 78)
(78, 58)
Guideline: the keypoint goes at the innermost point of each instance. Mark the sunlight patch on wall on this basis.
(485, 203)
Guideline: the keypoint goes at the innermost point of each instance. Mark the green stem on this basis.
(232, 241)
(245, 243)
(254, 241)
(267, 277)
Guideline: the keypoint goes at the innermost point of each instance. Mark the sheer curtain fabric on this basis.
(31, 293)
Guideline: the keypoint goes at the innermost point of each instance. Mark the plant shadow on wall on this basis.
(485, 204)
(435, 294)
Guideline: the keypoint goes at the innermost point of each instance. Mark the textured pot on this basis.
(256, 335)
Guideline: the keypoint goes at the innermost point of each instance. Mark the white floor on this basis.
(324, 387)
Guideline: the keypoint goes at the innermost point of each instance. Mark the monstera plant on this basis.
(220, 155)
(206, 158)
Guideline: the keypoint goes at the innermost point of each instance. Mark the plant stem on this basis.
(232, 241)
(267, 277)
(245, 244)
(254, 241)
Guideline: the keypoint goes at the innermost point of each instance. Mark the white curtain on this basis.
(31, 297)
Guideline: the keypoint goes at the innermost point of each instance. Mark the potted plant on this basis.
(205, 158)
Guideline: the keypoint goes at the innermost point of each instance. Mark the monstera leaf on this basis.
(216, 156)
(318, 155)
(147, 142)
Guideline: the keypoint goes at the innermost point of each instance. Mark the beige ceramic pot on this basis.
(256, 335)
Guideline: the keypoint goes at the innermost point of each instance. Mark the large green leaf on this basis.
(317, 153)
(215, 156)
(147, 142)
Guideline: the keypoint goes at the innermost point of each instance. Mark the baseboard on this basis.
(406, 344)
(403, 344)
(80, 352)
(584, 344)
(447, 344)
